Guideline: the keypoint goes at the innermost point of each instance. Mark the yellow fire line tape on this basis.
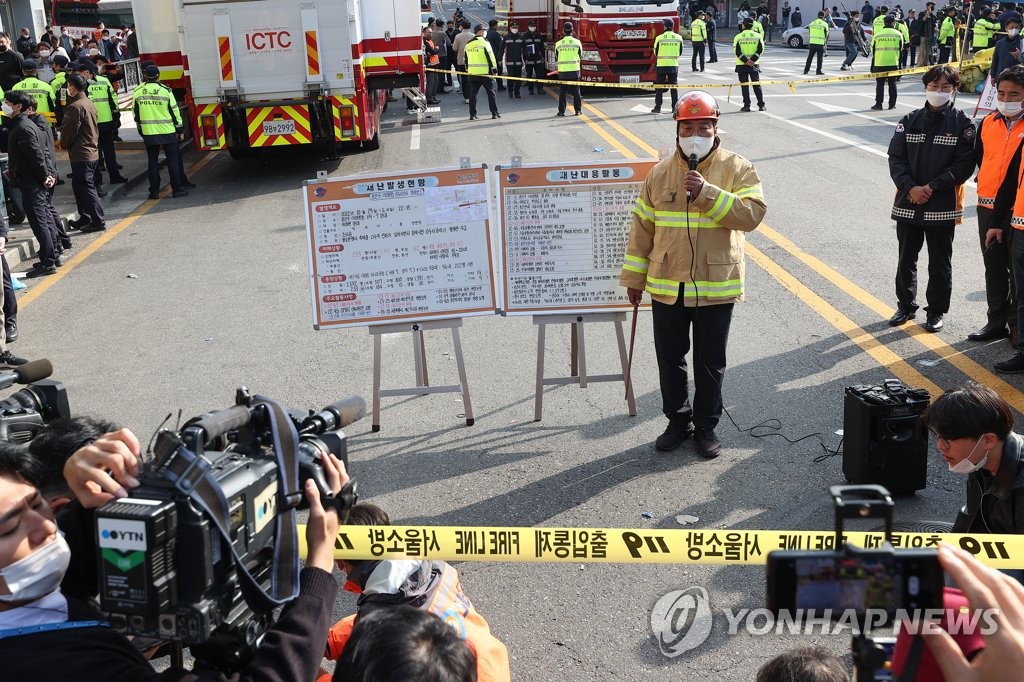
(638, 545)
(981, 63)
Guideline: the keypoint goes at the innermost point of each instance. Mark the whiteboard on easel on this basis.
(563, 231)
(399, 246)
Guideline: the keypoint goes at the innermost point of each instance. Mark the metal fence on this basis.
(132, 76)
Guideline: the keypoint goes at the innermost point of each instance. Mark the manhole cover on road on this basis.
(918, 527)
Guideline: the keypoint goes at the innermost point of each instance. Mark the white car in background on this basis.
(801, 36)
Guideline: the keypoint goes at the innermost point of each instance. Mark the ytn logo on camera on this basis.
(121, 535)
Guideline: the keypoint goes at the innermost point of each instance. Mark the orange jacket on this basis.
(432, 586)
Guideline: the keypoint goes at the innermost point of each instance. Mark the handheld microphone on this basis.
(693, 166)
(26, 374)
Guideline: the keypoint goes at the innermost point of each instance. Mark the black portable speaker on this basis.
(883, 441)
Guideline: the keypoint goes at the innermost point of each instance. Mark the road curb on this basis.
(23, 248)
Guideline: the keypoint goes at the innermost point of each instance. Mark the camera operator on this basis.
(46, 626)
(973, 428)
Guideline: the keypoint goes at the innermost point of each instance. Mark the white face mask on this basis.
(38, 574)
(965, 466)
(8, 111)
(938, 99)
(93, 51)
(701, 146)
(533, 28)
(1012, 32)
(513, 31)
(1009, 109)
(44, 53)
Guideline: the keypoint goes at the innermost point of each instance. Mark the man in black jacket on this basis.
(10, 63)
(533, 58)
(1007, 50)
(497, 44)
(44, 622)
(973, 429)
(32, 175)
(513, 50)
(931, 155)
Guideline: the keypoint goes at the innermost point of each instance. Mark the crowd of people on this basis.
(52, 101)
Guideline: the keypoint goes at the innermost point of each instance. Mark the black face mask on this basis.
(3, 48)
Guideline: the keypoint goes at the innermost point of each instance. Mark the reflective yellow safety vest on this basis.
(748, 43)
(901, 26)
(102, 95)
(885, 47)
(59, 88)
(569, 51)
(947, 30)
(479, 57)
(878, 24)
(667, 48)
(818, 30)
(40, 91)
(698, 31)
(759, 30)
(983, 30)
(156, 110)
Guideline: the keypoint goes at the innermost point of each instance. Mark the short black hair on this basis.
(20, 97)
(808, 664)
(54, 445)
(969, 412)
(18, 465)
(1013, 73)
(404, 643)
(465, 23)
(493, 23)
(366, 514)
(78, 82)
(950, 73)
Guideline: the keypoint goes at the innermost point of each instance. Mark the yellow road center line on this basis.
(94, 246)
(867, 341)
(1012, 395)
(625, 151)
(622, 131)
(930, 341)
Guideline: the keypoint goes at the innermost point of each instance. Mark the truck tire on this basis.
(239, 154)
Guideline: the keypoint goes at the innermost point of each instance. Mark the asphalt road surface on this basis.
(220, 299)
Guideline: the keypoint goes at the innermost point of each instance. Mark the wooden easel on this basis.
(578, 362)
(419, 355)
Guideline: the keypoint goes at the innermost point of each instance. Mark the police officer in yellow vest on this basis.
(748, 46)
(667, 48)
(984, 29)
(818, 30)
(569, 52)
(885, 56)
(947, 35)
(159, 122)
(698, 38)
(108, 116)
(58, 86)
(481, 66)
(39, 90)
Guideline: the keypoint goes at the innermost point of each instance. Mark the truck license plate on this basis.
(279, 127)
(629, 79)
(631, 34)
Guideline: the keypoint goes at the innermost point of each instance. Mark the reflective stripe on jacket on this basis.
(818, 31)
(885, 47)
(998, 145)
(667, 47)
(479, 57)
(569, 51)
(659, 256)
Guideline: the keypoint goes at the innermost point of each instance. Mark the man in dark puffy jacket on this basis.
(973, 429)
(931, 155)
(32, 175)
(497, 44)
(513, 50)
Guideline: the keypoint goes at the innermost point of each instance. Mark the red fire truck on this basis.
(267, 73)
(617, 35)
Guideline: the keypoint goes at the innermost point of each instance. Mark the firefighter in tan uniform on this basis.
(686, 249)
